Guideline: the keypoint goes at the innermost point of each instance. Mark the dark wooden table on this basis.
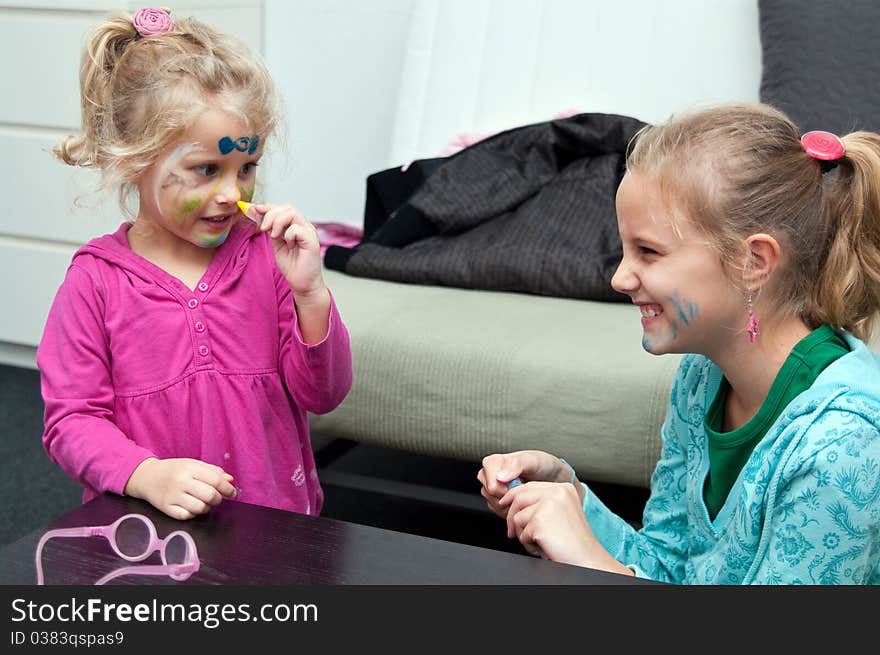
(243, 544)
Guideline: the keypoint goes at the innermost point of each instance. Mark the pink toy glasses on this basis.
(133, 537)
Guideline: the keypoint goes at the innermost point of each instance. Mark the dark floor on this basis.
(33, 489)
(402, 491)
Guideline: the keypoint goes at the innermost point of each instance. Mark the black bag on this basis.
(528, 210)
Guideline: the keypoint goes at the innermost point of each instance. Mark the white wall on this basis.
(338, 65)
(519, 61)
(375, 84)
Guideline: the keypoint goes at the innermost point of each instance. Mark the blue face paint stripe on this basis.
(687, 311)
(681, 314)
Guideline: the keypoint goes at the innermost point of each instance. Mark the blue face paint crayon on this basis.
(513, 484)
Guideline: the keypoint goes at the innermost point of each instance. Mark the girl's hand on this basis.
(297, 250)
(527, 465)
(548, 519)
(181, 488)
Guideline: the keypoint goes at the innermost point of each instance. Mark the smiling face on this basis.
(687, 300)
(191, 193)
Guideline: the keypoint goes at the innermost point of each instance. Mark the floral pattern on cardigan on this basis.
(805, 508)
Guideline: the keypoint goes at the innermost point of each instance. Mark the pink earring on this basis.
(753, 322)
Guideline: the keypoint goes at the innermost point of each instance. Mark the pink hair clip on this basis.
(824, 146)
(152, 21)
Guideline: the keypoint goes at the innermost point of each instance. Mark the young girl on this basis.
(758, 251)
(183, 351)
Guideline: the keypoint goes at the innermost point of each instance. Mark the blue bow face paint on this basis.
(248, 144)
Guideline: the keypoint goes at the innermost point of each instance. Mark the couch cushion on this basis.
(463, 374)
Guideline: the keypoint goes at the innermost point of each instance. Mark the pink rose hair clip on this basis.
(152, 21)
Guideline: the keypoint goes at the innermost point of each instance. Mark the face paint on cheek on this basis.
(247, 194)
(687, 311)
(184, 211)
(173, 180)
(165, 177)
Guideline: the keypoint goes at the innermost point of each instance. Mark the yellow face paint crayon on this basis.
(247, 208)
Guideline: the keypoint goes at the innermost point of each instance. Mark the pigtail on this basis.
(103, 51)
(847, 292)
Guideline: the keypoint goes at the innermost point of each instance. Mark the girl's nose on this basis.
(624, 279)
(227, 192)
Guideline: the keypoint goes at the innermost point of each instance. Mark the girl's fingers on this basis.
(178, 512)
(204, 492)
(522, 519)
(226, 488)
(297, 236)
(216, 478)
(514, 505)
(277, 229)
(293, 234)
(528, 542)
(492, 503)
(192, 504)
(509, 496)
(273, 222)
(493, 470)
(302, 221)
(518, 500)
(278, 219)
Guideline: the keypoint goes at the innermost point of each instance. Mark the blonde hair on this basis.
(736, 170)
(139, 94)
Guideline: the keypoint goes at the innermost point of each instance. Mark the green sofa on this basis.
(461, 374)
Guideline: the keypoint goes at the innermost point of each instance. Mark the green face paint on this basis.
(188, 208)
(247, 194)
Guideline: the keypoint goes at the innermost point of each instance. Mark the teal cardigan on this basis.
(805, 509)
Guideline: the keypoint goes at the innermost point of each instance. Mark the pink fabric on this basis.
(465, 139)
(338, 234)
(134, 364)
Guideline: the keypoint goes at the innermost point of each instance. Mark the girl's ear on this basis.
(764, 257)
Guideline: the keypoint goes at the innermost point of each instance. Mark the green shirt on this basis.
(729, 451)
